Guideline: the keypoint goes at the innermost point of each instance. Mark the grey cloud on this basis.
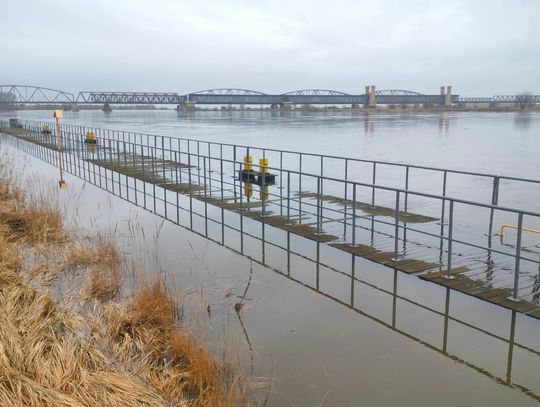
(481, 47)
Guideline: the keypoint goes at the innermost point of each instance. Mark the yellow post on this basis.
(263, 165)
(57, 116)
(248, 160)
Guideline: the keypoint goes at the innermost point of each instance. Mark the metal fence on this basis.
(322, 198)
(281, 253)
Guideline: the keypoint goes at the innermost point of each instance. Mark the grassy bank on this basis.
(66, 336)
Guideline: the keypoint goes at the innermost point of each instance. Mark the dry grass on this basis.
(103, 253)
(46, 361)
(10, 258)
(135, 353)
(178, 364)
(45, 357)
(103, 284)
(103, 265)
(36, 223)
(32, 218)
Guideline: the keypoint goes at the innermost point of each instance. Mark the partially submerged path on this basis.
(394, 237)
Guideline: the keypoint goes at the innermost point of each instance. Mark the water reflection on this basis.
(305, 266)
(444, 125)
(369, 124)
(522, 120)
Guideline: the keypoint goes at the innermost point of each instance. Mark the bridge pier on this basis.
(274, 106)
(187, 106)
(107, 108)
(287, 105)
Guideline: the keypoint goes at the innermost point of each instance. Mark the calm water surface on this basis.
(324, 338)
(503, 143)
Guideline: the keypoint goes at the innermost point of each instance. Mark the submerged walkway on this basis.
(447, 240)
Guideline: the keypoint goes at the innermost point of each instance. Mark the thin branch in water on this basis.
(240, 305)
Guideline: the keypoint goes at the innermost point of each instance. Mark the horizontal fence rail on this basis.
(451, 239)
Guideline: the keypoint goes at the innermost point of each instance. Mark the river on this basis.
(317, 335)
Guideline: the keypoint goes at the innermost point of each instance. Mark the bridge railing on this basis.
(321, 201)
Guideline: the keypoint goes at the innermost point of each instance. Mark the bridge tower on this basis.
(446, 96)
(366, 101)
(371, 98)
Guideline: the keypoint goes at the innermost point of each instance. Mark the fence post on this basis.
(288, 195)
(494, 202)
(321, 204)
(373, 182)
(450, 232)
(204, 176)
(281, 170)
(242, 184)
(518, 258)
(396, 237)
(234, 173)
(354, 215)
(318, 203)
(406, 189)
(346, 177)
(190, 192)
(221, 174)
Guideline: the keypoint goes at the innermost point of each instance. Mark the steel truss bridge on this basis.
(227, 96)
(24, 94)
(33, 94)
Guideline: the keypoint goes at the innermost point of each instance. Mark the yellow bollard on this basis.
(90, 138)
(263, 165)
(248, 160)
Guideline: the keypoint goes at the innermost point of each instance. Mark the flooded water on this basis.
(501, 143)
(325, 327)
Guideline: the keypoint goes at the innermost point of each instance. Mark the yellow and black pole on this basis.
(57, 117)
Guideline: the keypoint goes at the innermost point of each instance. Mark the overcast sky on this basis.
(480, 47)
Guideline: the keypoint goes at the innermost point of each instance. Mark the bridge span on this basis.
(25, 94)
